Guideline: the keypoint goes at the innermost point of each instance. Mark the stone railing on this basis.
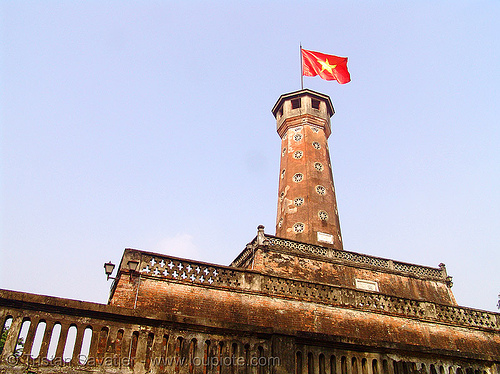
(52, 335)
(357, 258)
(210, 275)
(70, 336)
(378, 303)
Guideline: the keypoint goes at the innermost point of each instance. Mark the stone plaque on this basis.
(367, 285)
(325, 238)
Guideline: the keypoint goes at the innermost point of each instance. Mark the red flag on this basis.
(328, 67)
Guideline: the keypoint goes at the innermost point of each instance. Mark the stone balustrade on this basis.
(210, 275)
(52, 335)
(357, 258)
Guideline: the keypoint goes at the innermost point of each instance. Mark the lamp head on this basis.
(108, 268)
(132, 265)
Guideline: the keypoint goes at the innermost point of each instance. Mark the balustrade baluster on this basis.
(46, 338)
(28, 342)
(80, 329)
(11, 340)
(62, 340)
(140, 355)
(94, 342)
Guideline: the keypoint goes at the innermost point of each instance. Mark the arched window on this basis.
(178, 353)
(298, 362)
(149, 350)
(407, 367)
(220, 357)
(322, 369)
(310, 363)
(261, 362)
(118, 343)
(84, 351)
(364, 366)
(343, 365)
(354, 365)
(37, 341)
(69, 346)
(5, 329)
(385, 367)
(192, 354)
(395, 365)
(54, 341)
(163, 353)
(234, 353)
(333, 365)
(207, 358)
(102, 343)
(414, 368)
(21, 338)
(133, 348)
(247, 358)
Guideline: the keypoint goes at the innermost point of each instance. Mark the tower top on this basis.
(302, 103)
(305, 92)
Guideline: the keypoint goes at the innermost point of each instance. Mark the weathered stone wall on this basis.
(317, 264)
(369, 319)
(347, 325)
(122, 340)
(340, 274)
(144, 341)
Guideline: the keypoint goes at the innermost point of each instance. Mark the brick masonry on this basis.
(307, 205)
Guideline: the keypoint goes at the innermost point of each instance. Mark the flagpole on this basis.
(301, 69)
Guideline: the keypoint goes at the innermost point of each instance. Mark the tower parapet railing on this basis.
(346, 257)
(358, 258)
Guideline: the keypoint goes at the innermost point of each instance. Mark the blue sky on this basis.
(147, 125)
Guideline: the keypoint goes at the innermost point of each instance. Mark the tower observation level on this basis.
(307, 206)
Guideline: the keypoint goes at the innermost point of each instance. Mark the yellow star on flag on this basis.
(325, 65)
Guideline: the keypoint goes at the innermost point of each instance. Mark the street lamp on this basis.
(108, 269)
(132, 265)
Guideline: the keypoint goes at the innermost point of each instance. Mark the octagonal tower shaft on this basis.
(307, 206)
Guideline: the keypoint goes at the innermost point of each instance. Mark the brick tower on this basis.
(307, 207)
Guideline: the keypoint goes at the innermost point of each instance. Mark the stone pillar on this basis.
(282, 348)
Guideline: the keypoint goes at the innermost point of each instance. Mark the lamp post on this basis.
(108, 269)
